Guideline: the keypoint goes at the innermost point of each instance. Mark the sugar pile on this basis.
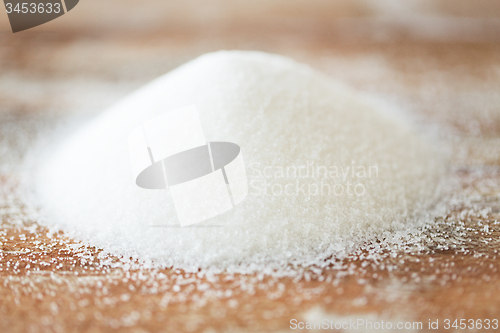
(328, 171)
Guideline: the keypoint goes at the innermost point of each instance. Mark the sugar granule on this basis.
(286, 118)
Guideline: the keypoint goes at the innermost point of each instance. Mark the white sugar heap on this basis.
(292, 123)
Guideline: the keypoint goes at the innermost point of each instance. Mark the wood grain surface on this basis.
(436, 60)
